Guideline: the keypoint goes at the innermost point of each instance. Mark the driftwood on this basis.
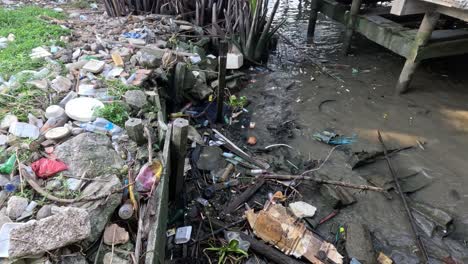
(322, 181)
(243, 197)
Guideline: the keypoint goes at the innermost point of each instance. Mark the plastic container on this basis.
(54, 111)
(24, 130)
(183, 235)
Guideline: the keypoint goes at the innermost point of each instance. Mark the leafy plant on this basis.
(237, 102)
(115, 112)
(224, 251)
(117, 88)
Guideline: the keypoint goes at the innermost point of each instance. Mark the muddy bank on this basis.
(297, 100)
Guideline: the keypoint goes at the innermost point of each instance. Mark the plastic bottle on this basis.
(107, 125)
(13, 185)
(7, 167)
(126, 210)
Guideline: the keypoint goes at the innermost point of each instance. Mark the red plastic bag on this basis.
(44, 168)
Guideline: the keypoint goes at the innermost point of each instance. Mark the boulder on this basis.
(136, 98)
(44, 212)
(115, 235)
(89, 153)
(69, 226)
(100, 211)
(150, 58)
(61, 84)
(16, 206)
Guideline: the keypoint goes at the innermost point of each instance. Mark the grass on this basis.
(30, 32)
(115, 112)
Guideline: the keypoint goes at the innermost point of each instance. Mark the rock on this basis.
(61, 84)
(359, 243)
(110, 258)
(136, 98)
(7, 121)
(115, 235)
(302, 209)
(200, 90)
(4, 218)
(53, 184)
(150, 58)
(100, 211)
(78, 259)
(134, 128)
(39, 84)
(96, 47)
(16, 206)
(94, 66)
(89, 153)
(44, 212)
(36, 237)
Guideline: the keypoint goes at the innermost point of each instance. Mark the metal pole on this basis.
(419, 242)
(223, 49)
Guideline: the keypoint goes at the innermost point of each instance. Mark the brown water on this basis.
(435, 112)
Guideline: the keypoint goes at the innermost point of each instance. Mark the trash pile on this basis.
(80, 159)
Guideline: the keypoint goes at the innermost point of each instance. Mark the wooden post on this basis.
(178, 152)
(223, 49)
(422, 37)
(314, 7)
(350, 25)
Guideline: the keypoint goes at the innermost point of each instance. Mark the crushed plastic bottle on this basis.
(102, 125)
(7, 167)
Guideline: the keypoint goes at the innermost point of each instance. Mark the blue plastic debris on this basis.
(331, 138)
(132, 35)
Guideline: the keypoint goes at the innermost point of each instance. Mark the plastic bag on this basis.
(7, 167)
(45, 168)
(148, 176)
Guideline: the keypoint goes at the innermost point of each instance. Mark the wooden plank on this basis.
(410, 7)
(178, 153)
(155, 250)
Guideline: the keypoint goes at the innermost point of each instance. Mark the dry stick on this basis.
(138, 241)
(417, 237)
(242, 198)
(49, 196)
(322, 181)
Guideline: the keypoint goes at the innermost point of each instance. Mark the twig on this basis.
(322, 181)
(41, 191)
(323, 163)
(138, 241)
(419, 242)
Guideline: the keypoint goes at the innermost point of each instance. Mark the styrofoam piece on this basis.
(57, 133)
(24, 130)
(302, 209)
(5, 238)
(183, 234)
(82, 109)
(234, 61)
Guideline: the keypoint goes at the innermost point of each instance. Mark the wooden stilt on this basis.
(351, 23)
(178, 152)
(223, 49)
(422, 37)
(314, 7)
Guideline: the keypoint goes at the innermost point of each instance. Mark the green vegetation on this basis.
(115, 112)
(117, 88)
(30, 31)
(229, 251)
(22, 101)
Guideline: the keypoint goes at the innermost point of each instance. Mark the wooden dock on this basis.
(385, 26)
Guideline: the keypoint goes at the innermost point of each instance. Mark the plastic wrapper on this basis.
(45, 168)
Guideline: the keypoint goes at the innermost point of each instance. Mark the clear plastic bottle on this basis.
(126, 210)
(110, 127)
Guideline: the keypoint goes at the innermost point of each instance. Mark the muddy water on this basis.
(355, 97)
